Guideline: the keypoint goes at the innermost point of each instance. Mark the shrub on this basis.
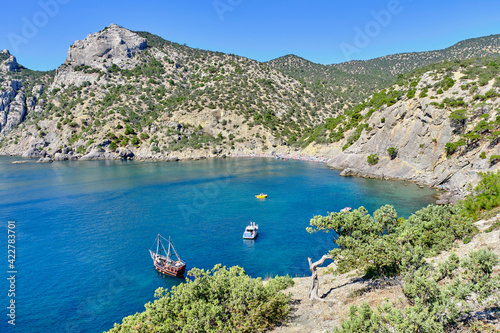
(125, 141)
(485, 196)
(411, 93)
(372, 159)
(81, 150)
(129, 130)
(451, 147)
(482, 155)
(459, 115)
(113, 146)
(447, 83)
(436, 296)
(392, 152)
(435, 228)
(494, 159)
(217, 300)
(135, 141)
(422, 94)
(382, 120)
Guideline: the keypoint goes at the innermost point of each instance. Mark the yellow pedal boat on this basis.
(261, 196)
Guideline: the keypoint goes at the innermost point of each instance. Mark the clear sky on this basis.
(39, 33)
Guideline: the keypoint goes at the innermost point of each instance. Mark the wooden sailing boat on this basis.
(164, 259)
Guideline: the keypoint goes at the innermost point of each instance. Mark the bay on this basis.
(83, 228)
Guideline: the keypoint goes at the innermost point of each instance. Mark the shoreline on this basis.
(444, 196)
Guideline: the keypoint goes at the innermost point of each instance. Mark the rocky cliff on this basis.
(16, 97)
(88, 59)
(435, 136)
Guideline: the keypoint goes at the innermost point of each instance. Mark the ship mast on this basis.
(158, 245)
(169, 245)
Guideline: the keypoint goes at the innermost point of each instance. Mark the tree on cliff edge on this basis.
(365, 242)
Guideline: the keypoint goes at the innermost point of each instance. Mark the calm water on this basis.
(84, 228)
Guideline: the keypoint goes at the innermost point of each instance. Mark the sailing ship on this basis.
(164, 259)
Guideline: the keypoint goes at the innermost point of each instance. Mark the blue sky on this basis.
(321, 31)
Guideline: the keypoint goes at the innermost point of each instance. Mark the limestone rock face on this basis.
(419, 131)
(113, 45)
(13, 107)
(10, 64)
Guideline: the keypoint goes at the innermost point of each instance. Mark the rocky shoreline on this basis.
(447, 195)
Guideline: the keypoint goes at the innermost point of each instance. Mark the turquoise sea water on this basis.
(83, 229)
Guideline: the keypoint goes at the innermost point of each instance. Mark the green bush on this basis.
(451, 147)
(381, 244)
(435, 228)
(372, 159)
(135, 141)
(125, 141)
(437, 297)
(494, 158)
(217, 300)
(81, 150)
(411, 93)
(354, 136)
(129, 130)
(447, 83)
(459, 115)
(113, 146)
(392, 152)
(485, 196)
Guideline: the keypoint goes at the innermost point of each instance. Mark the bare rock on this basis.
(99, 155)
(45, 160)
(113, 45)
(10, 64)
(32, 152)
(125, 153)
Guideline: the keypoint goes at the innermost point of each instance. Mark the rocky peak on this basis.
(112, 45)
(8, 62)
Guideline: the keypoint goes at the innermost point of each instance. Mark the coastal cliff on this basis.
(434, 136)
